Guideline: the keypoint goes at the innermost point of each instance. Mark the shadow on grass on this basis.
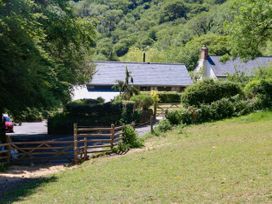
(19, 188)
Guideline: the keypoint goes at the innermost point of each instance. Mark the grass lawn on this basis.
(223, 162)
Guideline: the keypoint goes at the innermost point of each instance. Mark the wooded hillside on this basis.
(169, 31)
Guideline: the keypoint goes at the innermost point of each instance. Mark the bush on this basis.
(174, 117)
(164, 126)
(261, 89)
(142, 101)
(92, 115)
(30, 115)
(208, 91)
(99, 100)
(221, 109)
(130, 137)
(169, 97)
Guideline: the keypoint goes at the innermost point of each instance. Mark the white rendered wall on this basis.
(81, 92)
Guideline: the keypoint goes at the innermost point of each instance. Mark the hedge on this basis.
(169, 97)
(142, 101)
(262, 89)
(208, 91)
(221, 109)
(99, 115)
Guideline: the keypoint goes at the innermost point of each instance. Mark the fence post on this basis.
(85, 148)
(112, 135)
(75, 144)
(151, 124)
(155, 109)
(9, 148)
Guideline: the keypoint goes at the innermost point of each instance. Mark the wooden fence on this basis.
(85, 141)
(95, 140)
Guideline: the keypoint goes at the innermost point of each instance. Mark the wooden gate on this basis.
(95, 140)
(42, 151)
(85, 141)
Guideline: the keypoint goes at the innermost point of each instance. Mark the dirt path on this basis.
(19, 175)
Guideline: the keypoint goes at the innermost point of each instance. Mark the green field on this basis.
(223, 162)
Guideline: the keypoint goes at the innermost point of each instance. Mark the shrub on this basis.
(169, 97)
(129, 114)
(142, 101)
(93, 115)
(221, 109)
(262, 89)
(30, 115)
(120, 148)
(130, 137)
(99, 100)
(174, 117)
(208, 91)
(164, 126)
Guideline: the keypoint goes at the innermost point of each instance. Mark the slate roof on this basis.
(144, 74)
(232, 66)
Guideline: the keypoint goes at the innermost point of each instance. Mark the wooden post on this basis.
(75, 144)
(112, 135)
(85, 148)
(151, 124)
(155, 109)
(9, 149)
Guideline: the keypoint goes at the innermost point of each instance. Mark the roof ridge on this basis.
(158, 63)
(240, 58)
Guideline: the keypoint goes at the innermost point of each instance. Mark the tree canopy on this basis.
(45, 50)
(251, 30)
(161, 28)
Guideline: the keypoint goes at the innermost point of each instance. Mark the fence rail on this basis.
(85, 141)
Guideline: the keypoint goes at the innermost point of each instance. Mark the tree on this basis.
(126, 88)
(252, 28)
(173, 10)
(45, 50)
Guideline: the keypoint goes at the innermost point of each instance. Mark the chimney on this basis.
(144, 57)
(204, 53)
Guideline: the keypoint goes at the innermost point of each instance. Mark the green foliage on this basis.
(175, 117)
(89, 102)
(247, 42)
(239, 77)
(169, 97)
(217, 110)
(217, 43)
(262, 89)
(126, 87)
(31, 115)
(45, 51)
(207, 91)
(163, 126)
(165, 28)
(172, 10)
(129, 113)
(142, 101)
(121, 148)
(130, 137)
(92, 114)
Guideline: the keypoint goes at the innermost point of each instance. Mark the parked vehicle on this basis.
(7, 123)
